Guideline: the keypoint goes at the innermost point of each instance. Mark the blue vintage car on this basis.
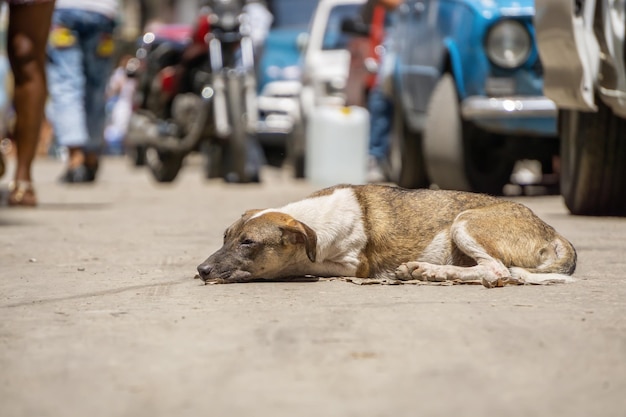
(279, 70)
(469, 100)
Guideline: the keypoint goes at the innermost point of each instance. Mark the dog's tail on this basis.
(558, 266)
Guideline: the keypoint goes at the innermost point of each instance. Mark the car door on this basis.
(417, 45)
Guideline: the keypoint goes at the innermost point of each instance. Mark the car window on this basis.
(292, 13)
(334, 38)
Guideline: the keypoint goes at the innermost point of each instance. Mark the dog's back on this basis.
(406, 225)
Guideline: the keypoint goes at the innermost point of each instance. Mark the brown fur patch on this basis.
(401, 223)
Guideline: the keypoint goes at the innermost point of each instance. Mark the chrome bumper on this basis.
(278, 114)
(480, 107)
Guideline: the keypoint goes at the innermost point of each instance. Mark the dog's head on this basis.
(262, 245)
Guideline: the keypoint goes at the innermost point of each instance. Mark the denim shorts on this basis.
(26, 1)
(80, 49)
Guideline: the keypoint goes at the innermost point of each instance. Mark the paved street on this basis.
(100, 316)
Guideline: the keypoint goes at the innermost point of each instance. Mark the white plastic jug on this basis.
(337, 140)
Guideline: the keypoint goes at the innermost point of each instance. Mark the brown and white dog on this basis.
(379, 231)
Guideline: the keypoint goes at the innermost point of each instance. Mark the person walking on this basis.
(120, 93)
(80, 55)
(27, 34)
(380, 104)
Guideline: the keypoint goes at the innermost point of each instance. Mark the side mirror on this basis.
(355, 26)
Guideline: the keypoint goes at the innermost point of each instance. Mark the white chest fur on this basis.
(337, 219)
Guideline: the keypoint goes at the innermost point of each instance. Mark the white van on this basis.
(326, 61)
(325, 68)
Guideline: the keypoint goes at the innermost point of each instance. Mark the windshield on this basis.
(334, 38)
(292, 13)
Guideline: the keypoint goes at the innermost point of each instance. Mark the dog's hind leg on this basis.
(488, 269)
(508, 244)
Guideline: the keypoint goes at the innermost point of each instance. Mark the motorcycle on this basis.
(197, 92)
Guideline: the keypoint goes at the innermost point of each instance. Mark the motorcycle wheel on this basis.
(295, 154)
(137, 155)
(163, 165)
(237, 149)
(212, 165)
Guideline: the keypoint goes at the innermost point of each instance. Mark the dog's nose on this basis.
(204, 270)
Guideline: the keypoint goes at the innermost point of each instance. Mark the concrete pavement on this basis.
(100, 316)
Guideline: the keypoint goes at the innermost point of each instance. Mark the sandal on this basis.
(22, 193)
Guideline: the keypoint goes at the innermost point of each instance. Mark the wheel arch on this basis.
(451, 62)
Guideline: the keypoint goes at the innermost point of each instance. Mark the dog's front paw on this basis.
(403, 273)
(416, 270)
(410, 270)
(419, 270)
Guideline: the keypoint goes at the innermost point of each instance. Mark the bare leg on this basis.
(29, 25)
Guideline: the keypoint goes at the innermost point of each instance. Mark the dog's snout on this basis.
(204, 269)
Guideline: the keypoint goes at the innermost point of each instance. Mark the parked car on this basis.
(366, 50)
(326, 61)
(468, 90)
(583, 50)
(279, 73)
(325, 65)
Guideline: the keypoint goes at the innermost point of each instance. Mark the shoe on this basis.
(80, 174)
(22, 194)
(233, 178)
(375, 172)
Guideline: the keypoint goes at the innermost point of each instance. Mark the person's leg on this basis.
(66, 80)
(98, 53)
(381, 116)
(29, 25)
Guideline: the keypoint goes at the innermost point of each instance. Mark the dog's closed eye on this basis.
(247, 242)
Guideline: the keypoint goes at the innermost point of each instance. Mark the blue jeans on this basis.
(79, 65)
(381, 119)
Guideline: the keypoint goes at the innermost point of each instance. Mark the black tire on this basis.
(593, 161)
(299, 167)
(164, 166)
(238, 140)
(405, 159)
(295, 149)
(136, 155)
(212, 165)
(458, 155)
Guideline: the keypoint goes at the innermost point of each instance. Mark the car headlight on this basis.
(291, 72)
(508, 44)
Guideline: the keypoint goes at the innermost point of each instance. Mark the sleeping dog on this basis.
(377, 231)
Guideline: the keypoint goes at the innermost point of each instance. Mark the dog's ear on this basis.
(297, 232)
(249, 213)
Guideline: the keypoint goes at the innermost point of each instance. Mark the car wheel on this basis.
(593, 162)
(458, 155)
(405, 160)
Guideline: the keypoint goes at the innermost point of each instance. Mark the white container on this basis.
(337, 140)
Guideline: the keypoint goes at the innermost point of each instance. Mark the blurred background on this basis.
(460, 95)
